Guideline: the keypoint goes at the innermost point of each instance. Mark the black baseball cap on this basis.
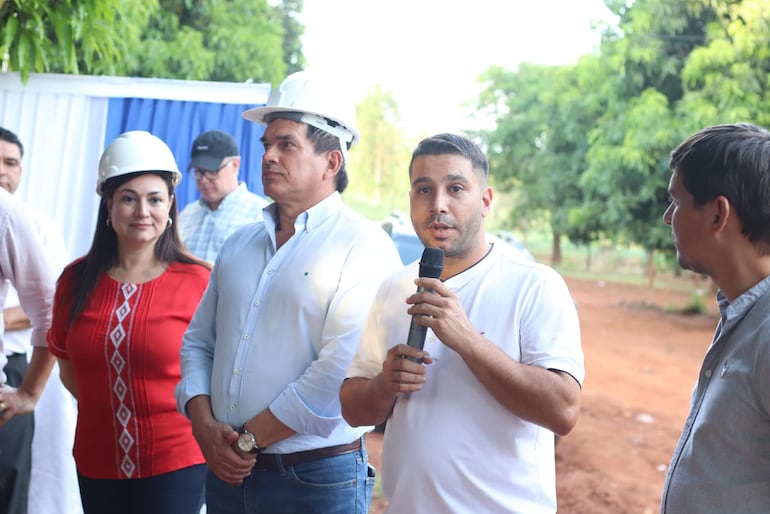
(210, 148)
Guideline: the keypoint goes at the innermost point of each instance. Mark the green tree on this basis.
(608, 125)
(182, 39)
(584, 105)
(208, 40)
(627, 175)
(627, 160)
(292, 34)
(574, 108)
(69, 36)
(538, 148)
(379, 163)
(515, 146)
(728, 79)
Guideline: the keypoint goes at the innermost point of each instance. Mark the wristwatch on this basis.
(247, 442)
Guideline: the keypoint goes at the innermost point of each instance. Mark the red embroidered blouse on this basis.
(124, 349)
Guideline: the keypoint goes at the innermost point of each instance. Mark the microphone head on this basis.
(432, 263)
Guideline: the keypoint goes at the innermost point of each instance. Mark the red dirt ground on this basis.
(641, 364)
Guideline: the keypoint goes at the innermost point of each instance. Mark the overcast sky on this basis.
(428, 53)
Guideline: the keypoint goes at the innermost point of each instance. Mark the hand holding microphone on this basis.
(431, 266)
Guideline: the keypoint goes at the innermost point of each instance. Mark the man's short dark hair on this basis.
(7, 135)
(453, 144)
(733, 161)
(323, 142)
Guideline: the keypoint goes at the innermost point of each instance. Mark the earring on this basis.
(169, 222)
(109, 223)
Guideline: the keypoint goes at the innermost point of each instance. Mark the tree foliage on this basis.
(292, 35)
(379, 163)
(211, 40)
(220, 40)
(627, 162)
(727, 78)
(586, 146)
(39, 36)
(538, 148)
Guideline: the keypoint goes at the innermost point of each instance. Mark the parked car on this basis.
(508, 237)
(399, 227)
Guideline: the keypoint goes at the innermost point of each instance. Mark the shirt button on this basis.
(708, 373)
(236, 371)
(246, 336)
(232, 407)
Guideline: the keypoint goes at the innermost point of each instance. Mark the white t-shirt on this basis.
(451, 447)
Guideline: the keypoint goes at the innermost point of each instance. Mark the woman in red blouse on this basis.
(119, 315)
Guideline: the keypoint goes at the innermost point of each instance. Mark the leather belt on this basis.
(275, 461)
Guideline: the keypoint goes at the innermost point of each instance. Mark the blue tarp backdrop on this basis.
(179, 122)
(66, 121)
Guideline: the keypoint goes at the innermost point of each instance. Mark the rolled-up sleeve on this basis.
(24, 263)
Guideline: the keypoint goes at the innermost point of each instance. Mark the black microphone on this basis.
(431, 266)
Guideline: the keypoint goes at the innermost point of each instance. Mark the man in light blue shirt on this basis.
(266, 352)
(224, 205)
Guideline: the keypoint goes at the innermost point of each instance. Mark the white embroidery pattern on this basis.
(119, 350)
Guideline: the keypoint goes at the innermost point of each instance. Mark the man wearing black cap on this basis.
(224, 205)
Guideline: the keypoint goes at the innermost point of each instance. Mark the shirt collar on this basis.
(741, 305)
(321, 211)
(233, 196)
(311, 218)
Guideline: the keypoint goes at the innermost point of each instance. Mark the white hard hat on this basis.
(319, 103)
(133, 151)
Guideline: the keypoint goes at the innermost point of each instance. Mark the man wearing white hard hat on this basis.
(267, 349)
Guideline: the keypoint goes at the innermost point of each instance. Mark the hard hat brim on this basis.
(262, 114)
(258, 114)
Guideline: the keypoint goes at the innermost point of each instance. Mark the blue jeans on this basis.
(176, 492)
(341, 484)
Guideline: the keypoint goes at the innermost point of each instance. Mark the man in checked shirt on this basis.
(224, 204)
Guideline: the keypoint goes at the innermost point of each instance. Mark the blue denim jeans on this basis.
(341, 484)
(176, 492)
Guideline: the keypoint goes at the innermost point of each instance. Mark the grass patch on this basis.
(695, 305)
